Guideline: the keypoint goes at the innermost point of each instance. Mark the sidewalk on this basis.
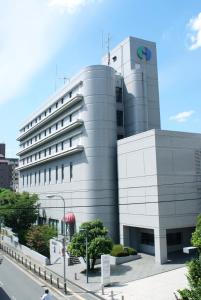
(135, 280)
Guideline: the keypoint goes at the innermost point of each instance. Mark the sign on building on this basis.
(105, 270)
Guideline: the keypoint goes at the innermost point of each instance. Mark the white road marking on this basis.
(38, 281)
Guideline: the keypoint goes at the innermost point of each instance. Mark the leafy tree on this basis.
(38, 237)
(18, 210)
(194, 268)
(98, 241)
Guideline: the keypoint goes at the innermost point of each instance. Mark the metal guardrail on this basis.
(44, 273)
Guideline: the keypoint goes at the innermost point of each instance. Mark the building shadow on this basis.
(180, 258)
(3, 295)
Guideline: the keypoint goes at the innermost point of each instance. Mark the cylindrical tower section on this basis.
(99, 141)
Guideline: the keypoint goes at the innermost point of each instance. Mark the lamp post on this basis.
(64, 238)
(87, 265)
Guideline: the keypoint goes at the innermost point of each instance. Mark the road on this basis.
(17, 284)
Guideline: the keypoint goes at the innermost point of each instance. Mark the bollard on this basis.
(45, 275)
(102, 289)
(51, 278)
(58, 283)
(111, 295)
(75, 276)
(39, 273)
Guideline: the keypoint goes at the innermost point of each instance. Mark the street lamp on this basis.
(64, 238)
(87, 270)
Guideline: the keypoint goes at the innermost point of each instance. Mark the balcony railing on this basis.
(59, 132)
(67, 105)
(52, 157)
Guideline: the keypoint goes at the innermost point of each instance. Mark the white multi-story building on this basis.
(68, 146)
(69, 149)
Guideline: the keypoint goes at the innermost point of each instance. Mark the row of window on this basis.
(47, 132)
(47, 111)
(45, 176)
(173, 238)
(48, 151)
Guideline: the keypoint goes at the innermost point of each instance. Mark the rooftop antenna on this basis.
(108, 49)
(64, 79)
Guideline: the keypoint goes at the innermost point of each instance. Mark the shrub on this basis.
(118, 251)
(130, 250)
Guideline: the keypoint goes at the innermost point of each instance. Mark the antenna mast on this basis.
(108, 49)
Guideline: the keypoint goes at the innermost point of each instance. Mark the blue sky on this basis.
(38, 36)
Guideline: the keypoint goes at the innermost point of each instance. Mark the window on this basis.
(39, 118)
(50, 175)
(45, 132)
(147, 238)
(31, 158)
(49, 150)
(62, 100)
(35, 138)
(56, 126)
(23, 162)
(70, 142)
(30, 178)
(119, 118)
(62, 123)
(56, 104)
(71, 171)
(39, 136)
(70, 94)
(44, 175)
(50, 109)
(62, 172)
(45, 152)
(174, 238)
(56, 173)
(35, 178)
(62, 145)
(36, 156)
(31, 141)
(39, 154)
(119, 94)
(39, 176)
(49, 130)
(56, 148)
(70, 117)
(45, 113)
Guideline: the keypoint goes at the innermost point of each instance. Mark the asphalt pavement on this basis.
(18, 284)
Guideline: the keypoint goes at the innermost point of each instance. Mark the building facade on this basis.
(8, 170)
(69, 146)
(159, 176)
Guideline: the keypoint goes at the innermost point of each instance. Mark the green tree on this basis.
(18, 210)
(194, 268)
(98, 241)
(38, 237)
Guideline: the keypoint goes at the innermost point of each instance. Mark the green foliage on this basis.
(18, 210)
(194, 269)
(98, 241)
(119, 251)
(38, 238)
(196, 236)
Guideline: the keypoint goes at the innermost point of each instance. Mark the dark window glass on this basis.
(62, 145)
(147, 238)
(62, 100)
(62, 123)
(45, 132)
(119, 118)
(45, 152)
(35, 177)
(71, 171)
(70, 94)
(56, 126)
(56, 148)
(174, 238)
(30, 178)
(39, 176)
(56, 104)
(49, 150)
(70, 142)
(62, 172)
(44, 175)
(49, 130)
(23, 180)
(49, 175)
(56, 173)
(119, 94)
(70, 118)
(50, 109)
(39, 154)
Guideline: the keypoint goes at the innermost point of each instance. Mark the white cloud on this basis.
(194, 35)
(30, 32)
(69, 5)
(182, 116)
